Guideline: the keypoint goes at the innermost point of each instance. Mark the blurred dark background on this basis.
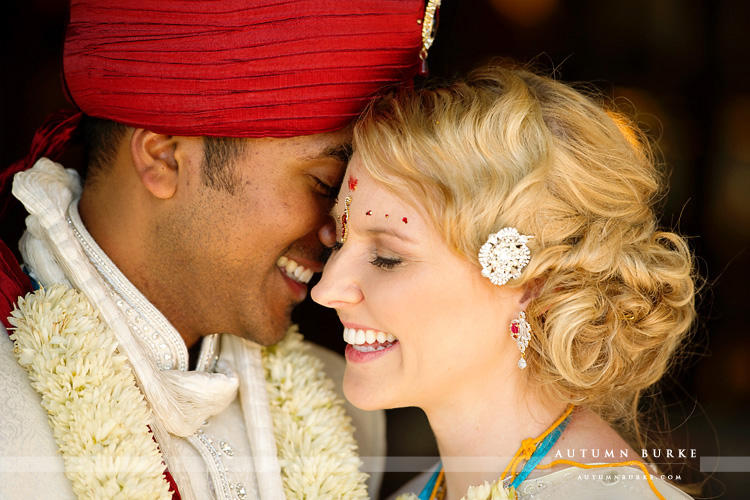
(683, 66)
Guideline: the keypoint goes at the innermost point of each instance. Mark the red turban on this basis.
(231, 68)
(239, 68)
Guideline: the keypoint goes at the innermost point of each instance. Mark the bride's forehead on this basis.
(366, 192)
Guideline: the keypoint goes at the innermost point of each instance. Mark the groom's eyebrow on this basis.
(340, 152)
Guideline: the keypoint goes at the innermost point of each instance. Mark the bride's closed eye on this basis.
(386, 263)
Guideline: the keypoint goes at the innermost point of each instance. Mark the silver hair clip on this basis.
(504, 255)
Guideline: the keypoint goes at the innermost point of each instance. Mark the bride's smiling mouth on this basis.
(366, 344)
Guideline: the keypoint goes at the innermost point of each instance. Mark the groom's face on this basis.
(238, 262)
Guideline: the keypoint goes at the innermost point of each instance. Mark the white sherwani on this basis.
(219, 445)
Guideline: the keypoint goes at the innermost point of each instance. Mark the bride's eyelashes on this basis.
(386, 263)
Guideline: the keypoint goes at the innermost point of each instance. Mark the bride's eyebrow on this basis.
(378, 231)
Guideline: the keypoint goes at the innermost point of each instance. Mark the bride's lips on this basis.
(367, 344)
(296, 274)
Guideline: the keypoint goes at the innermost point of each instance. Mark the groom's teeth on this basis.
(297, 272)
(360, 337)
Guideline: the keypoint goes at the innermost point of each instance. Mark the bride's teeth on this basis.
(306, 276)
(370, 337)
(363, 340)
(282, 261)
(298, 271)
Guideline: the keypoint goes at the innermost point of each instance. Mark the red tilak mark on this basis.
(353, 183)
(406, 221)
(369, 212)
(386, 216)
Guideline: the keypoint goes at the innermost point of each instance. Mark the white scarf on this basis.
(180, 400)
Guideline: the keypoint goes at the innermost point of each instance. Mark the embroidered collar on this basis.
(145, 320)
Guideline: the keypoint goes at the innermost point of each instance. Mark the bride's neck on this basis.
(479, 429)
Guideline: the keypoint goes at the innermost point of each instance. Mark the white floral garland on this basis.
(486, 491)
(314, 435)
(100, 418)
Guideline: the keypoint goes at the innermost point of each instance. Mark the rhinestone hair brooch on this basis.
(504, 255)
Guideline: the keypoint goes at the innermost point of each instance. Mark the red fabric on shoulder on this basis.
(172, 485)
(13, 283)
(50, 140)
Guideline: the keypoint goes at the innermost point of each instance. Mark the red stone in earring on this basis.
(514, 330)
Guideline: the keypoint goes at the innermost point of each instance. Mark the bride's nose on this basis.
(339, 286)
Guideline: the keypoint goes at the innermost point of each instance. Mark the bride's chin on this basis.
(363, 395)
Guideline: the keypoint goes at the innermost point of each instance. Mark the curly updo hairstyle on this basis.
(507, 147)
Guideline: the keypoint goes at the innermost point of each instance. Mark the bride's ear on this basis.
(531, 291)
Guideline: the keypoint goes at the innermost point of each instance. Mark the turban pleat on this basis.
(238, 68)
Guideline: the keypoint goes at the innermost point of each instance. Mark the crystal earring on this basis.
(520, 331)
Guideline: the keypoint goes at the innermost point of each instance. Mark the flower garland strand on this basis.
(314, 436)
(98, 416)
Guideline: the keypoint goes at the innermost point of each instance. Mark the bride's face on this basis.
(420, 321)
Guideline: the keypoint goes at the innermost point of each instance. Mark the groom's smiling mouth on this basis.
(295, 270)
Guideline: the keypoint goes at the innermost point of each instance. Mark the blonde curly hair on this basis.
(507, 147)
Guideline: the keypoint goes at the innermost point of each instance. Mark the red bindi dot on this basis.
(353, 183)
(369, 212)
(386, 216)
(406, 221)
